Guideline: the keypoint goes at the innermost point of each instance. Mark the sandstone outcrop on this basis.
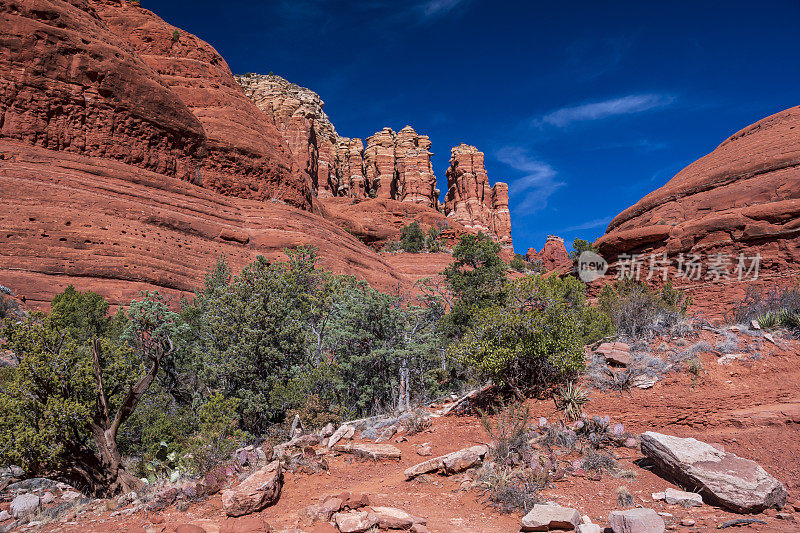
(553, 256)
(243, 154)
(258, 491)
(742, 198)
(131, 161)
(470, 199)
(386, 165)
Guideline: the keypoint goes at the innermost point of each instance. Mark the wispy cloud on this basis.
(434, 8)
(626, 105)
(538, 183)
(591, 224)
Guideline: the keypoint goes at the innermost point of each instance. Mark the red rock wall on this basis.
(67, 83)
(470, 199)
(554, 255)
(244, 155)
(744, 197)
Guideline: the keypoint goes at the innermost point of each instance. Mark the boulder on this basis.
(550, 516)
(738, 484)
(355, 521)
(258, 491)
(25, 504)
(245, 524)
(451, 463)
(189, 528)
(355, 500)
(371, 451)
(391, 518)
(679, 497)
(320, 512)
(588, 528)
(636, 521)
(345, 431)
(5, 515)
(615, 353)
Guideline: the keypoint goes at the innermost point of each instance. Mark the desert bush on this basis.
(416, 423)
(729, 344)
(625, 498)
(433, 241)
(218, 434)
(599, 461)
(9, 308)
(511, 490)
(517, 263)
(508, 431)
(316, 414)
(412, 238)
(639, 311)
(759, 302)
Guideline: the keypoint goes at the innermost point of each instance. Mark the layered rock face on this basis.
(387, 165)
(130, 160)
(70, 84)
(553, 256)
(243, 154)
(742, 198)
(470, 199)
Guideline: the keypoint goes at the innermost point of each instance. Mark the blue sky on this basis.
(582, 107)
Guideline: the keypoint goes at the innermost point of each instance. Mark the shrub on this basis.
(508, 431)
(432, 242)
(175, 36)
(9, 308)
(639, 311)
(314, 414)
(511, 490)
(579, 246)
(218, 436)
(600, 462)
(518, 263)
(759, 301)
(412, 238)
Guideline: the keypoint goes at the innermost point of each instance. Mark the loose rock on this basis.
(547, 517)
(24, 504)
(679, 497)
(636, 521)
(738, 484)
(260, 490)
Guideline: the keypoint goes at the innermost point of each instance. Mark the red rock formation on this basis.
(744, 197)
(69, 84)
(297, 113)
(553, 256)
(471, 201)
(244, 155)
(386, 165)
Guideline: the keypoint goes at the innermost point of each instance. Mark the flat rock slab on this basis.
(24, 504)
(636, 521)
(392, 518)
(615, 353)
(548, 517)
(257, 492)
(373, 451)
(679, 497)
(451, 463)
(733, 482)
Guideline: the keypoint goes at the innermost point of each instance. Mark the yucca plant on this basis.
(791, 321)
(570, 401)
(767, 320)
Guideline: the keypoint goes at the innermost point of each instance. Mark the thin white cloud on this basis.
(591, 224)
(435, 8)
(626, 105)
(538, 183)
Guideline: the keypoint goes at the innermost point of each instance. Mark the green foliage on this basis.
(176, 36)
(48, 402)
(477, 281)
(83, 314)
(433, 241)
(412, 238)
(508, 431)
(579, 246)
(218, 436)
(535, 338)
(518, 263)
(8, 307)
(638, 310)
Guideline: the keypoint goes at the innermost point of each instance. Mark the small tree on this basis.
(477, 280)
(61, 410)
(518, 263)
(412, 238)
(578, 247)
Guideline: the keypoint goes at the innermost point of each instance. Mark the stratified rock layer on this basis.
(742, 198)
(387, 165)
(470, 199)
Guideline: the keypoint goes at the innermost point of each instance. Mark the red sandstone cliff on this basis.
(130, 160)
(553, 255)
(744, 197)
(470, 199)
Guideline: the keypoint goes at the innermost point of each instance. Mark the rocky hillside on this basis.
(130, 158)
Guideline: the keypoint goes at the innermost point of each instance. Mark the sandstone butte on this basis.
(131, 159)
(742, 198)
(554, 255)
